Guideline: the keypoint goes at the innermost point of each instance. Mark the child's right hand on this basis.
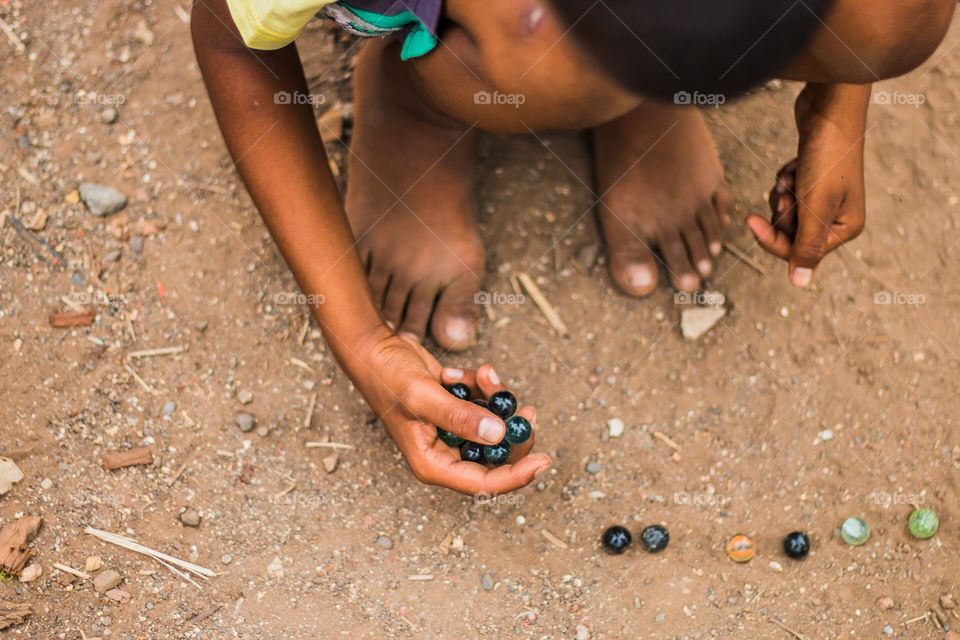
(403, 384)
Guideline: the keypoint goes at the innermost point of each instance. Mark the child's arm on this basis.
(279, 154)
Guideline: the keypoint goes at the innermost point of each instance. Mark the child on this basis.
(402, 252)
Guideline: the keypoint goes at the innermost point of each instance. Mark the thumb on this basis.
(431, 403)
(810, 243)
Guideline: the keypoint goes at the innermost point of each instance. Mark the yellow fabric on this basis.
(272, 24)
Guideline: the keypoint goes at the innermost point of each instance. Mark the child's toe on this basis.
(682, 273)
(454, 323)
(634, 270)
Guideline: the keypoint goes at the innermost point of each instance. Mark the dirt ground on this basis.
(799, 409)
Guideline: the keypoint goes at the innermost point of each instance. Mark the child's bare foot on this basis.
(410, 206)
(661, 185)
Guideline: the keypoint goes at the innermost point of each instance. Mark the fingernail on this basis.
(391, 325)
(410, 335)
(458, 329)
(453, 374)
(801, 276)
(782, 204)
(639, 276)
(491, 430)
(494, 378)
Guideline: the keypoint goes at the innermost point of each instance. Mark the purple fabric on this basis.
(428, 11)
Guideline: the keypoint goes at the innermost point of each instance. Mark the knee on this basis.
(901, 44)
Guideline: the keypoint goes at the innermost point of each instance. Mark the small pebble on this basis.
(245, 397)
(275, 568)
(46, 483)
(93, 563)
(947, 602)
(226, 558)
(888, 630)
(776, 567)
(330, 462)
(118, 595)
(885, 603)
(101, 200)
(246, 422)
(106, 580)
(190, 518)
(593, 467)
(136, 244)
(169, 407)
(108, 115)
(825, 435)
(384, 542)
(487, 582)
(31, 573)
(113, 256)
(615, 427)
(582, 632)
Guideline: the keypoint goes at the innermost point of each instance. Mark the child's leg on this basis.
(410, 203)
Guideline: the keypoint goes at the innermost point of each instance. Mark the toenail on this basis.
(715, 248)
(639, 276)
(453, 374)
(801, 276)
(781, 204)
(704, 266)
(458, 329)
(409, 335)
(391, 325)
(689, 282)
(494, 378)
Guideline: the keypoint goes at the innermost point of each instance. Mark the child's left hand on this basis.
(817, 203)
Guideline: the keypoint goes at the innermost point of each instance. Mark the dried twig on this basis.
(544, 305)
(159, 351)
(328, 445)
(133, 545)
(666, 440)
(12, 36)
(310, 407)
(139, 380)
(74, 572)
(554, 540)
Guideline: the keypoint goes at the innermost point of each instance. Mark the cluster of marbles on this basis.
(504, 405)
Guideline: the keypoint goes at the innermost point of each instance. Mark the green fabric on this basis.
(419, 40)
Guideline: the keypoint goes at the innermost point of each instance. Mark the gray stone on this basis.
(136, 244)
(593, 467)
(384, 542)
(487, 582)
(101, 200)
(108, 115)
(169, 407)
(246, 422)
